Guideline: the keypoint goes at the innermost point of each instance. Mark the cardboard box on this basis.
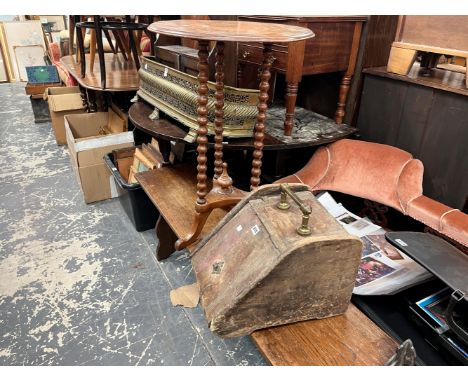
(62, 101)
(87, 149)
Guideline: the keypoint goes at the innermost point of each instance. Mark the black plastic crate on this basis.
(138, 207)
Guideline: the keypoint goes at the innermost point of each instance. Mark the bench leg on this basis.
(166, 239)
(401, 60)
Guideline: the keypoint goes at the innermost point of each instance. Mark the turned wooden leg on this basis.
(401, 60)
(290, 102)
(346, 80)
(261, 116)
(166, 239)
(219, 114)
(294, 66)
(344, 89)
(202, 120)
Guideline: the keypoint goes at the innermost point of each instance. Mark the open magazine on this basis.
(383, 268)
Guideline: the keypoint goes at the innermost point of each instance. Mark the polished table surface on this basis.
(121, 75)
(350, 339)
(240, 31)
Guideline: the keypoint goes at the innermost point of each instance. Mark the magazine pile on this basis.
(383, 268)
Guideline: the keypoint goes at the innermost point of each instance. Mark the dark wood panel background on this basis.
(376, 41)
(444, 149)
(429, 123)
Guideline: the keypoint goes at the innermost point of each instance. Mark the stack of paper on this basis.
(383, 269)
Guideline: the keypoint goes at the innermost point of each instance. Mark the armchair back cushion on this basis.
(368, 170)
(384, 174)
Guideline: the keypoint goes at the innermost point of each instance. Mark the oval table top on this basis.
(239, 31)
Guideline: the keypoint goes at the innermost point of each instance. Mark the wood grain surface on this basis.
(121, 75)
(240, 31)
(349, 339)
(173, 190)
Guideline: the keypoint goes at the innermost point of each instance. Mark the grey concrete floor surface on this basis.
(78, 284)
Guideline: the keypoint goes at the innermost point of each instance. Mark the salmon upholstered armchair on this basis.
(384, 174)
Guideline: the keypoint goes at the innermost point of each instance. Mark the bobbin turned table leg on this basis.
(219, 113)
(222, 195)
(261, 116)
(202, 120)
(200, 217)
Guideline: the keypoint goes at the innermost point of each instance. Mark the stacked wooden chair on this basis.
(126, 32)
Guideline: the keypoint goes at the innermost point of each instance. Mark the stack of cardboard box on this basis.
(89, 137)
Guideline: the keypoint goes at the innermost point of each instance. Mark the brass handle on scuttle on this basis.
(283, 204)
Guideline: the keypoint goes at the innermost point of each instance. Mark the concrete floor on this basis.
(78, 284)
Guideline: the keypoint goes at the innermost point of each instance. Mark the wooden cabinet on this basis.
(333, 49)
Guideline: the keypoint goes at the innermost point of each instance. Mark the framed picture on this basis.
(42, 74)
(30, 55)
(27, 34)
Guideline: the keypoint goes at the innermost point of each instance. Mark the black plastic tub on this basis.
(139, 208)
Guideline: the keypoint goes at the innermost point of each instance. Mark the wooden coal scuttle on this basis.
(277, 257)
